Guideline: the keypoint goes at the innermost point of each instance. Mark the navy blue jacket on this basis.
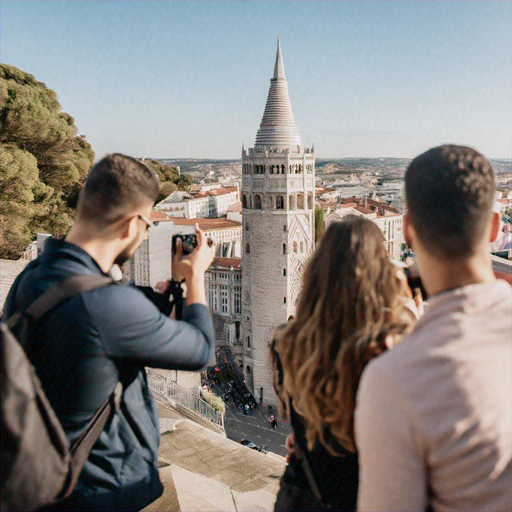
(88, 344)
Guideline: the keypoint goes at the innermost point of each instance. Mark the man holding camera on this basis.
(433, 417)
(94, 340)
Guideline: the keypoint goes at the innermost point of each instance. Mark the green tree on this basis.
(319, 223)
(44, 162)
(166, 189)
(170, 178)
(165, 172)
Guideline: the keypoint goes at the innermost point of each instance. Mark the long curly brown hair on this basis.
(350, 310)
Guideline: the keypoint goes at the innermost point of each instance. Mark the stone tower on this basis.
(278, 199)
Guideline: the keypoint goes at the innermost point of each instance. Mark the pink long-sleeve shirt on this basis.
(433, 416)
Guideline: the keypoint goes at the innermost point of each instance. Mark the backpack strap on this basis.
(50, 298)
(82, 446)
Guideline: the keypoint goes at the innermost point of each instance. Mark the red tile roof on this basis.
(216, 192)
(362, 209)
(226, 262)
(158, 216)
(206, 224)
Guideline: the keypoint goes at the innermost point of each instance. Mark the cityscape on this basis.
(265, 211)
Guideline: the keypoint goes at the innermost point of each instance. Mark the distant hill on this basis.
(326, 165)
(197, 164)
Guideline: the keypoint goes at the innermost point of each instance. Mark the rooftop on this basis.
(226, 262)
(215, 192)
(158, 216)
(206, 224)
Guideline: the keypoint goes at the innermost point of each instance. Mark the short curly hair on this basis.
(450, 192)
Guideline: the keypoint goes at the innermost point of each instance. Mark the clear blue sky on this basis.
(190, 78)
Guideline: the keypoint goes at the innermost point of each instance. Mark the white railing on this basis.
(183, 396)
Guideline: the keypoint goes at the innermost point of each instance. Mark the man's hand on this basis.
(162, 286)
(193, 266)
(197, 262)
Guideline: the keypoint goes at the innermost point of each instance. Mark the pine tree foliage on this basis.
(319, 223)
(43, 161)
(170, 178)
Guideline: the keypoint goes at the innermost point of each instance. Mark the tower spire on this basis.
(277, 126)
(279, 67)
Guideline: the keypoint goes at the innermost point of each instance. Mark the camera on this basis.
(414, 282)
(189, 243)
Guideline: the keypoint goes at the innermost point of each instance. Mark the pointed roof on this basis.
(278, 127)
(279, 67)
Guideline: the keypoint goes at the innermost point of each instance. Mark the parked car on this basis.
(250, 444)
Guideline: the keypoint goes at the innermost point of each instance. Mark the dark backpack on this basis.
(39, 466)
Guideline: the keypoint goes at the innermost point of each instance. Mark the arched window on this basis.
(247, 248)
(300, 168)
(248, 346)
(257, 202)
(291, 202)
(310, 201)
(284, 248)
(271, 169)
(301, 247)
(295, 247)
(282, 169)
(244, 201)
(300, 201)
(280, 203)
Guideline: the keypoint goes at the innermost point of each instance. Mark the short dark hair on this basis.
(116, 186)
(450, 192)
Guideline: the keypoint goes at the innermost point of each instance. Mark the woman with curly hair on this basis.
(354, 305)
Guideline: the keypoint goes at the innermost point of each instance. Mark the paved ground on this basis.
(255, 427)
(202, 471)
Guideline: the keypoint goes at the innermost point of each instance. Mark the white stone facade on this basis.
(278, 191)
(209, 206)
(151, 262)
(224, 294)
(392, 228)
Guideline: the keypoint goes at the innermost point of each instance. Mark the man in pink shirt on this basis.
(433, 417)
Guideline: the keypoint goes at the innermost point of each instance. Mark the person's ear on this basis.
(496, 225)
(130, 228)
(407, 229)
